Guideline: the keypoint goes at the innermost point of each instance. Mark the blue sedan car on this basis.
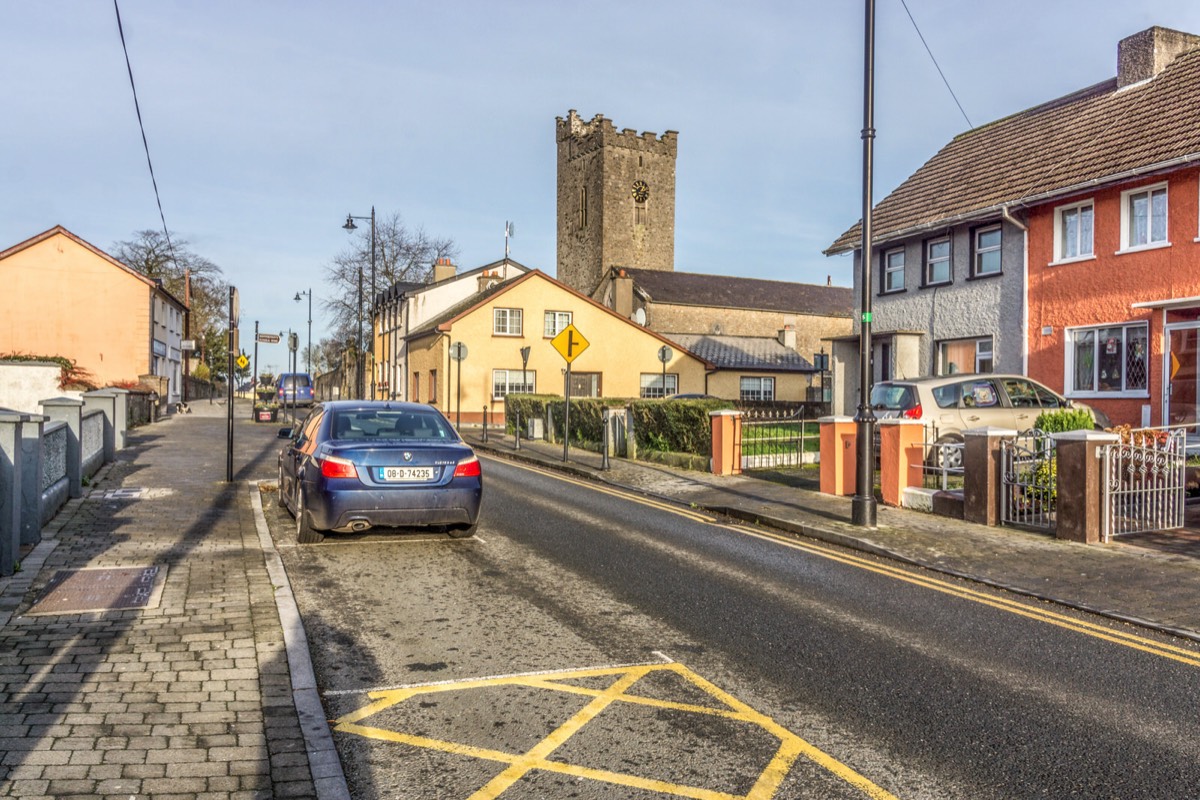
(359, 464)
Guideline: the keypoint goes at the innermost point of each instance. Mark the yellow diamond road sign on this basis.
(242, 362)
(569, 343)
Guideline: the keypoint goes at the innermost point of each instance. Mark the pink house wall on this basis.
(1102, 290)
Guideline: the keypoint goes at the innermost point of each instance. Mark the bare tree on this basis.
(150, 254)
(401, 255)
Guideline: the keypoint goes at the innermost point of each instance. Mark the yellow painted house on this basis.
(62, 296)
(621, 360)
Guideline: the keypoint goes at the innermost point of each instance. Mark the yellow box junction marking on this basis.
(517, 765)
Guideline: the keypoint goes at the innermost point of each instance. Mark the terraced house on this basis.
(1062, 242)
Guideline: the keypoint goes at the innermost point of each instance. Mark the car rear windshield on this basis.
(391, 424)
(893, 397)
(292, 381)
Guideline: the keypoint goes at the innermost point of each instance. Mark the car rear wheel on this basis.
(305, 534)
(941, 457)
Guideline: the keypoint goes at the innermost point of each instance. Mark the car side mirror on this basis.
(284, 433)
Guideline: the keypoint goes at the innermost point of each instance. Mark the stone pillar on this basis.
(11, 470)
(106, 402)
(31, 478)
(726, 442)
(901, 456)
(120, 416)
(983, 474)
(1078, 484)
(838, 441)
(70, 411)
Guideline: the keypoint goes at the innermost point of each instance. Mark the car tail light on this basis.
(468, 468)
(912, 413)
(334, 467)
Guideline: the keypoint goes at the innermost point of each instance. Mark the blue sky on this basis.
(269, 121)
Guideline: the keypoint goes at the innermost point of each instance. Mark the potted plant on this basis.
(266, 412)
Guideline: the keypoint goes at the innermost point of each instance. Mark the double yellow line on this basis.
(1183, 655)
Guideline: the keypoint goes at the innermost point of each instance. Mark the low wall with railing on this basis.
(45, 458)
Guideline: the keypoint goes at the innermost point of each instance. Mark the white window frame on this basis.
(1127, 198)
(927, 266)
(1060, 226)
(511, 382)
(512, 317)
(1069, 361)
(550, 326)
(997, 248)
(762, 393)
(652, 385)
(890, 270)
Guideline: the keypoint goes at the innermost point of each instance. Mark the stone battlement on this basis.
(600, 132)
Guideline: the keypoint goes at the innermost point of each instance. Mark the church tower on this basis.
(616, 200)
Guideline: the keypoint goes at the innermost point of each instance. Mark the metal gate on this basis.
(1029, 476)
(1142, 483)
(773, 438)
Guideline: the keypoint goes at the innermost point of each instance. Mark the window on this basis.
(555, 322)
(512, 381)
(758, 389)
(433, 386)
(585, 384)
(987, 251)
(1107, 359)
(416, 387)
(937, 261)
(583, 209)
(652, 385)
(1144, 217)
(1073, 232)
(964, 355)
(893, 270)
(506, 322)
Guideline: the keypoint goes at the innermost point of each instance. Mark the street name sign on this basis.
(268, 338)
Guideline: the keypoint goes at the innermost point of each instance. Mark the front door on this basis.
(1183, 375)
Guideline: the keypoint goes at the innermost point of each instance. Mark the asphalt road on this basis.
(587, 644)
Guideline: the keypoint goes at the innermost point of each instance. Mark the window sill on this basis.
(1075, 260)
(509, 335)
(936, 285)
(1135, 395)
(1142, 247)
(892, 291)
(985, 276)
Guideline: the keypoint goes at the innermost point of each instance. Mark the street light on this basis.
(350, 226)
(308, 350)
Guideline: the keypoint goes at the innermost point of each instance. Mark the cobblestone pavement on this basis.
(190, 697)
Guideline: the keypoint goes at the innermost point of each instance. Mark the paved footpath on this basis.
(191, 697)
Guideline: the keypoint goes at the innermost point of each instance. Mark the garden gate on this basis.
(1142, 485)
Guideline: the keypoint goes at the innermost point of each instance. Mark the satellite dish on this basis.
(639, 317)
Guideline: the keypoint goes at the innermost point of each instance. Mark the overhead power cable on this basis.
(145, 145)
(931, 58)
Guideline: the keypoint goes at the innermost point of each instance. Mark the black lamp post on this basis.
(863, 507)
(308, 350)
(350, 226)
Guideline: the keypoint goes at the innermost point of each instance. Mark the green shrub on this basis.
(675, 426)
(1065, 419)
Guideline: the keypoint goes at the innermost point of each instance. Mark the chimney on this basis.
(443, 269)
(623, 294)
(1143, 55)
(787, 337)
(488, 280)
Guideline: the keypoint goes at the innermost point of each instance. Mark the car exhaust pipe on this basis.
(359, 525)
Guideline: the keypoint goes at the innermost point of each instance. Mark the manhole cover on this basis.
(101, 589)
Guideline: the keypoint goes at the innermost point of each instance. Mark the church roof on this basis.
(723, 291)
(743, 352)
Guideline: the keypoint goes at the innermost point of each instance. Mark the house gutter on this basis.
(1164, 166)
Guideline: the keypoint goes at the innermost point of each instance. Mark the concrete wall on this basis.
(24, 383)
(810, 329)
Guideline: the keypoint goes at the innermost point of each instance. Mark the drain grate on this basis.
(101, 589)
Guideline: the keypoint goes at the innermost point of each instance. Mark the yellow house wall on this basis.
(788, 386)
(620, 351)
(58, 298)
